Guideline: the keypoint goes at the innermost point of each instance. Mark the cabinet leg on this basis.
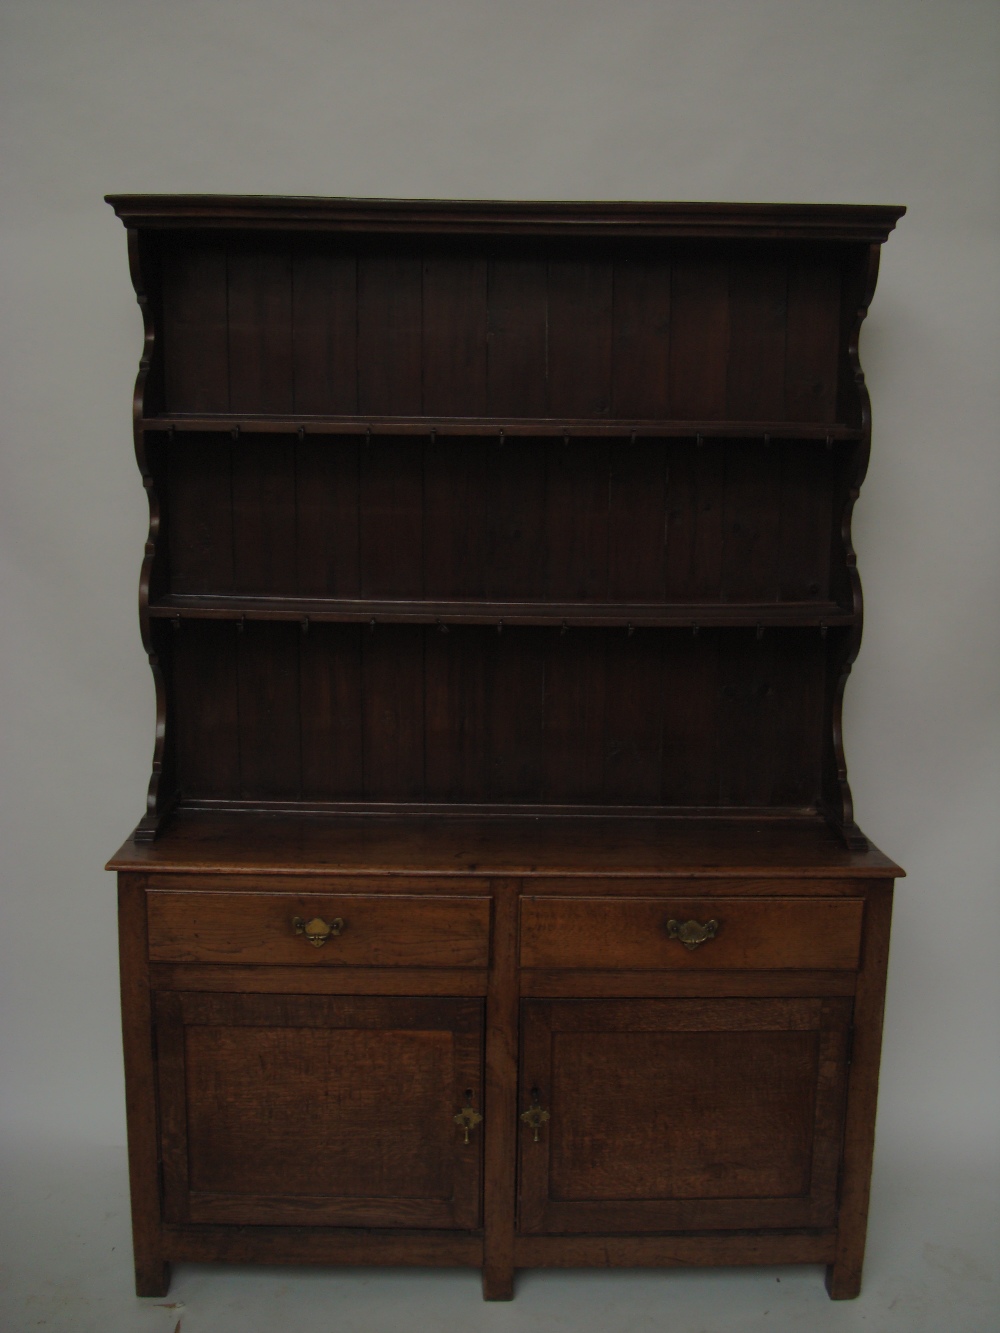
(152, 1277)
(498, 1284)
(843, 1281)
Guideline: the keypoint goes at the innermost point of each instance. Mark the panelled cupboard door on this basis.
(319, 1110)
(692, 1114)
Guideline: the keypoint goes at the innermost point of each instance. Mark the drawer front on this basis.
(766, 933)
(374, 930)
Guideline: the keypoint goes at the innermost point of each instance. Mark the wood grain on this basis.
(378, 931)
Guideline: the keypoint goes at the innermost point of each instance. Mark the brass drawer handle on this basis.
(468, 1118)
(534, 1117)
(317, 931)
(692, 933)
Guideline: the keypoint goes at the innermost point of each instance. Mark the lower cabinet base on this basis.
(365, 1248)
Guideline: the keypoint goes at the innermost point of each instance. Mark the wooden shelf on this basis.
(469, 612)
(220, 842)
(515, 427)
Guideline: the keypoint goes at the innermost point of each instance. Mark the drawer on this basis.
(598, 933)
(376, 930)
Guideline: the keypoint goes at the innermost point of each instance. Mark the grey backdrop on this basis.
(884, 101)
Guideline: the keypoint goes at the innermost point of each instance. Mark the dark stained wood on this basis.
(556, 983)
(336, 1110)
(676, 1251)
(327, 518)
(392, 687)
(798, 852)
(484, 611)
(811, 338)
(641, 376)
(456, 500)
(259, 312)
(632, 933)
(454, 335)
(206, 709)
(152, 1272)
(497, 217)
(391, 519)
(327, 1245)
(758, 319)
(516, 545)
(517, 371)
(325, 330)
(241, 928)
(331, 721)
(264, 516)
(456, 714)
(500, 598)
(268, 691)
(579, 341)
(390, 321)
(254, 978)
(573, 717)
(576, 512)
(383, 423)
(843, 1276)
(699, 345)
(200, 510)
(501, 1097)
(638, 523)
(195, 329)
(633, 717)
(682, 1114)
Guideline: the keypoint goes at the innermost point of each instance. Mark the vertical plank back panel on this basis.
(751, 522)
(455, 514)
(576, 520)
(516, 505)
(392, 665)
(517, 369)
(580, 311)
(195, 328)
(695, 515)
(699, 341)
(260, 328)
(264, 519)
(806, 522)
(758, 299)
(456, 714)
(637, 521)
(641, 336)
(454, 335)
(691, 687)
(327, 493)
(205, 709)
(390, 330)
(574, 716)
(633, 717)
(269, 711)
(325, 330)
(200, 510)
(391, 517)
(331, 713)
(515, 705)
(813, 331)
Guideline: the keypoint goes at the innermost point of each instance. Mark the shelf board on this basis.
(225, 842)
(517, 427)
(471, 612)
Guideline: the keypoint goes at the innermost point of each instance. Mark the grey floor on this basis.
(65, 1264)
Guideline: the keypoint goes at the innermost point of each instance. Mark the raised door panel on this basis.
(339, 1111)
(681, 1114)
